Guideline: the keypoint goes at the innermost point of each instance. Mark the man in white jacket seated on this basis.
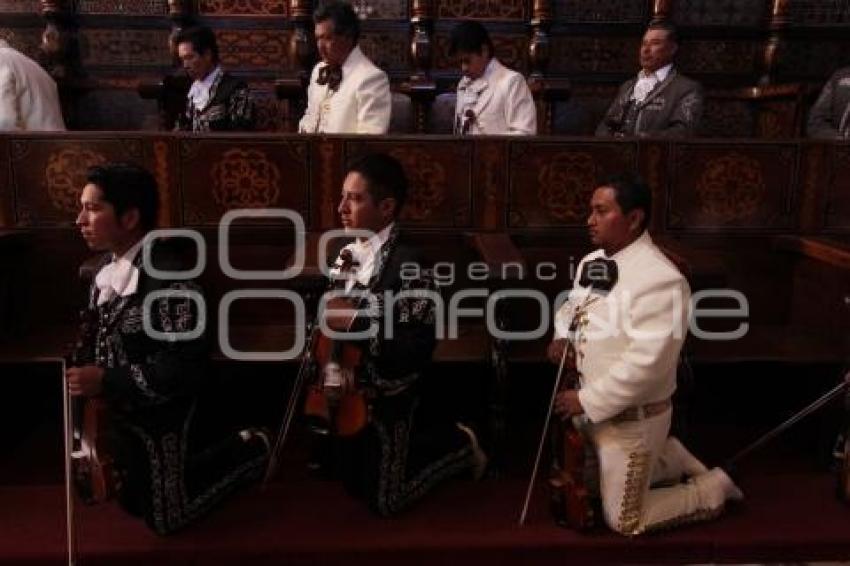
(347, 94)
(491, 99)
(624, 324)
(29, 100)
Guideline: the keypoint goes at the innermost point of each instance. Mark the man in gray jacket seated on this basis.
(659, 101)
(830, 116)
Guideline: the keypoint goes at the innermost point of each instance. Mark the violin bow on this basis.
(542, 443)
(291, 407)
(68, 424)
(795, 418)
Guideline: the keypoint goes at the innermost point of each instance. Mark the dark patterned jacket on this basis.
(230, 108)
(672, 109)
(830, 115)
(392, 365)
(142, 373)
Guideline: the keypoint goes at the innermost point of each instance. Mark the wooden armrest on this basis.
(824, 250)
(498, 250)
(761, 92)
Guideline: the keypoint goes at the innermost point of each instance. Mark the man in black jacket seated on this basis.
(217, 101)
(400, 454)
(143, 360)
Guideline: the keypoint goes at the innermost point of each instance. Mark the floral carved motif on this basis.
(65, 176)
(565, 184)
(731, 187)
(245, 179)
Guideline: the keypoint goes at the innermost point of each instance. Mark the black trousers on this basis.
(170, 482)
(399, 456)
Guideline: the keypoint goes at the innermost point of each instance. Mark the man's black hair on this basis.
(631, 193)
(343, 17)
(127, 186)
(202, 39)
(469, 36)
(385, 177)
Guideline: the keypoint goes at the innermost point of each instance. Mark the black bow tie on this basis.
(599, 274)
(330, 75)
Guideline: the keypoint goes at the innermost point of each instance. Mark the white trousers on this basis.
(633, 455)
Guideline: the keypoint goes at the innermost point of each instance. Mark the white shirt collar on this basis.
(199, 93)
(120, 277)
(660, 75)
(630, 250)
(365, 253)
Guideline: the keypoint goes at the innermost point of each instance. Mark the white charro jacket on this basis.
(29, 99)
(628, 341)
(362, 105)
(500, 101)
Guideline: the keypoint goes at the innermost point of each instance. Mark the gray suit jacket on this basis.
(830, 116)
(672, 109)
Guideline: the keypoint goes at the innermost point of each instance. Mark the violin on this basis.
(91, 459)
(571, 501)
(342, 405)
(334, 400)
(96, 477)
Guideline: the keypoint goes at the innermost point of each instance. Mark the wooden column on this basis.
(662, 10)
(546, 91)
(302, 51)
(59, 39)
(421, 88)
(61, 55)
(780, 20)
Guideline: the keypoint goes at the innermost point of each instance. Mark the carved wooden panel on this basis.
(482, 9)
(440, 178)
(594, 55)
(491, 178)
(747, 187)
(390, 50)
(748, 13)
(242, 7)
(551, 183)
(721, 57)
(48, 175)
(125, 47)
(328, 169)
(262, 49)
(600, 11)
(727, 118)
(380, 9)
(19, 6)
(510, 49)
(218, 175)
(838, 193)
(819, 12)
(123, 7)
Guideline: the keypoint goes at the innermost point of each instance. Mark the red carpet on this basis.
(787, 517)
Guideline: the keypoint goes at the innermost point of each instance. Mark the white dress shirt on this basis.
(29, 99)
(648, 81)
(199, 93)
(118, 278)
(498, 102)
